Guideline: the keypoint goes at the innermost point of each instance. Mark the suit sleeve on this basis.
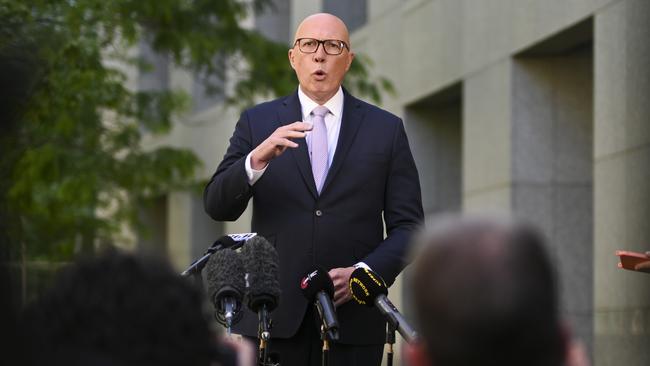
(226, 195)
(403, 212)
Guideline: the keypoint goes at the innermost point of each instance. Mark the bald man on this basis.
(325, 171)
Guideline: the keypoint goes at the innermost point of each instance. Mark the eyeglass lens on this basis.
(331, 46)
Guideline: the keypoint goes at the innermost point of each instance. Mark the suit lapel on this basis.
(351, 121)
(290, 112)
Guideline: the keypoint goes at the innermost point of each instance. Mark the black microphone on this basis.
(261, 264)
(262, 287)
(226, 285)
(318, 287)
(222, 243)
(233, 241)
(368, 288)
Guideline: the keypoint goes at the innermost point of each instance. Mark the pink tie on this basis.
(319, 146)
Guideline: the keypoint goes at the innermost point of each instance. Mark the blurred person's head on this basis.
(9, 301)
(484, 293)
(19, 72)
(120, 309)
(321, 55)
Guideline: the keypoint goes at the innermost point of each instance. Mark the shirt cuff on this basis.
(252, 174)
(362, 265)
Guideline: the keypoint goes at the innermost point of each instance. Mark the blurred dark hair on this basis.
(19, 70)
(485, 294)
(120, 309)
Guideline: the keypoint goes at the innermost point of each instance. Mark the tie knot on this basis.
(320, 111)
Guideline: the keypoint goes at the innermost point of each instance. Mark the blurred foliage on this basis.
(72, 162)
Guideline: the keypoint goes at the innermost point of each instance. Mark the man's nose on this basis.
(320, 55)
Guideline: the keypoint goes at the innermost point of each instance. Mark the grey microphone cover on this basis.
(261, 263)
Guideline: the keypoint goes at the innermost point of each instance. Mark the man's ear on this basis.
(351, 59)
(416, 355)
(290, 54)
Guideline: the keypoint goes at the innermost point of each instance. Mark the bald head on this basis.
(322, 26)
(321, 72)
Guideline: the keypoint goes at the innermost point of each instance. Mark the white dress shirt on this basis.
(332, 123)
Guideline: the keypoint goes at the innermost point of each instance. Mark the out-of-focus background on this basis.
(117, 113)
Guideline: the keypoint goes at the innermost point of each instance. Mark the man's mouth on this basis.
(319, 74)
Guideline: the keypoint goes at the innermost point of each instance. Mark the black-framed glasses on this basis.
(331, 46)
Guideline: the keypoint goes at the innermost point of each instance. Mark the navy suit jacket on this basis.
(372, 174)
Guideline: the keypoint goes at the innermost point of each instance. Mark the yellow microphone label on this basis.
(363, 288)
(373, 278)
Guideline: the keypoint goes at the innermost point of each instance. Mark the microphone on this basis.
(225, 276)
(261, 264)
(233, 241)
(318, 287)
(262, 287)
(368, 288)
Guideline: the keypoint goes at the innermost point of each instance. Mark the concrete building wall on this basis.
(353, 13)
(486, 139)
(552, 169)
(621, 184)
(435, 136)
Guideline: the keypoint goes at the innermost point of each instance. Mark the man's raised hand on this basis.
(277, 143)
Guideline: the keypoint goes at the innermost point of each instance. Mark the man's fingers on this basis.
(341, 297)
(335, 273)
(281, 141)
(280, 138)
(298, 126)
(275, 145)
(340, 284)
(339, 294)
(340, 277)
(294, 134)
(288, 143)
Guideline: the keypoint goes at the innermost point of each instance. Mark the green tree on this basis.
(72, 163)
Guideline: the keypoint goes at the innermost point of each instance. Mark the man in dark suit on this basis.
(321, 202)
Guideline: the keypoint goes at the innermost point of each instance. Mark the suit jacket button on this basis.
(319, 213)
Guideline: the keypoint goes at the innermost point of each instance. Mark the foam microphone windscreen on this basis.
(366, 285)
(261, 263)
(225, 275)
(316, 281)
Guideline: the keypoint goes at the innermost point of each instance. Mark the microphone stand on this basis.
(264, 334)
(197, 265)
(390, 341)
(327, 335)
(325, 358)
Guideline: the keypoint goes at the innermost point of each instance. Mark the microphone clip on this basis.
(327, 333)
(228, 313)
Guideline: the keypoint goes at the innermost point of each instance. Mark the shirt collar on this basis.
(335, 104)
